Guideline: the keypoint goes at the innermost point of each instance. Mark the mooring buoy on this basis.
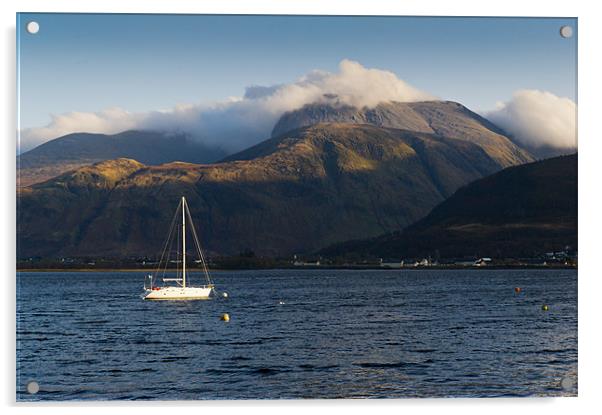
(545, 307)
(225, 317)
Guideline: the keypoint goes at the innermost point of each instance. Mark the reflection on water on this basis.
(339, 334)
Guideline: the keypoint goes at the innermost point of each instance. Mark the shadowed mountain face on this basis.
(299, 192)
(518, 212)
(76, 150)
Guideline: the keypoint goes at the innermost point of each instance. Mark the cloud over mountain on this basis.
(241, 121)
(538, 118)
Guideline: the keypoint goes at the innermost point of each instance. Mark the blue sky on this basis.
(87, 62)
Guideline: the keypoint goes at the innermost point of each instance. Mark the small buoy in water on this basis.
(225, 295)
(225, 317)
(281, 302)
(517, 290)
(544, 307)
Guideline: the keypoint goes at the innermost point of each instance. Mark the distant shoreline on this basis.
(355, 268)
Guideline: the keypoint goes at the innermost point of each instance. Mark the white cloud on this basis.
(240, 121)
(538, 118)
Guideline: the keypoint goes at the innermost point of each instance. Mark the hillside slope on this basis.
(519, 212)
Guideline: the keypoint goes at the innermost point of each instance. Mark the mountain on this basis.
(298, 192)
(521, 211)
(75, 150)
(441, 118)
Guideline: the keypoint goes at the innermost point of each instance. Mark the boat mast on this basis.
(183, 242)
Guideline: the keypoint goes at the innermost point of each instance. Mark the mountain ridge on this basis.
(79, 149)
(444, 118)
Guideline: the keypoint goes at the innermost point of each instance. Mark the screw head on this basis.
(33, 387)
(566, 32)
(33, 27)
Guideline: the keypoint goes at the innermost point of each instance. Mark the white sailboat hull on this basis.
(178, 293)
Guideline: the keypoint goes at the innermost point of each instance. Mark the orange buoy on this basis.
(517, 290)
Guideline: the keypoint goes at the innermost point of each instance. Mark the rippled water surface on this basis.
(339, 334)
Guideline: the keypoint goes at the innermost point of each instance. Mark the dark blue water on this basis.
(340, 334)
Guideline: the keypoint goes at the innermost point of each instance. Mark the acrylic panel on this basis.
(293, 207)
